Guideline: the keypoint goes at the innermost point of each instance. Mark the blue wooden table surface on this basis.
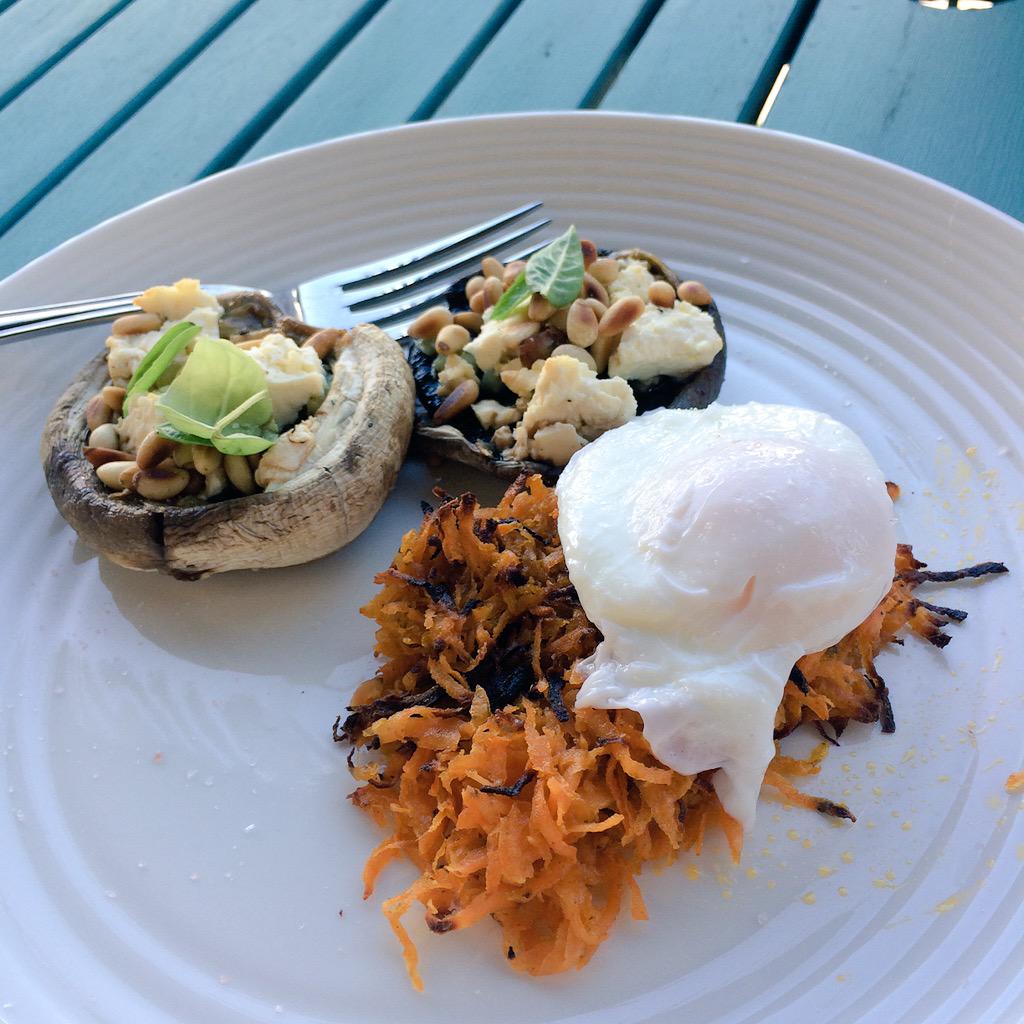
(107, 103)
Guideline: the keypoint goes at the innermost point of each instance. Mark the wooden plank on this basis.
(546, 57)
(937, 91)
(181, 133)
(360, 90)
(89, 87)
(35, 31)
(708, 58)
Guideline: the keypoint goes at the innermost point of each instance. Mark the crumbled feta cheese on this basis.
(295, 376)
(520, 379)
(492, 414)
(499, 340)
(175, 301)
(125, 351)
(634, 278)
(567, 391)
(520, 444)
(140, 418)
(673, 342)
(556, 443)
(455, 371)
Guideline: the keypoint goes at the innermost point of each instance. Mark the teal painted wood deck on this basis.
(107, 103)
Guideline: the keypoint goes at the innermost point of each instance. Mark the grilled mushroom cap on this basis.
(362, 431)
(463, 440)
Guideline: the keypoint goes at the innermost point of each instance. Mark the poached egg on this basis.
(713, 548)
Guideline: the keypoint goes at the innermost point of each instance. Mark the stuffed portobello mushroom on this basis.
(528, 362)
(218, 434)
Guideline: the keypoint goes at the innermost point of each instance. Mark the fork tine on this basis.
(359, 300)
(371, 271)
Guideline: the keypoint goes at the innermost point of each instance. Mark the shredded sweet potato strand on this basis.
(512, 804)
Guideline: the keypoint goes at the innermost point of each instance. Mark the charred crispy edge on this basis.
(364, 715)
(834, 810)
(556, 684)
(971, 572)
(797, 678)
(515, 789)
(953, 614)
(886, 718)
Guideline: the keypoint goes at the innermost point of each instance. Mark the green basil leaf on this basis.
(556, 271)
(216, 381)
(517, 294)
(158, 358)
(244, 442)
(181, 436)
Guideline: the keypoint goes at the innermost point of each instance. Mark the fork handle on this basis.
(18, 323)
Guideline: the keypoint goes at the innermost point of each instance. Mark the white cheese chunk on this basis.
(295, 376)
(520, 379)
(498, 341)
(492, 414)
(175, 301)
(556, 443)
(674, 342)
(140, 418)
(455, 371)
(634, 278)
(567, 391)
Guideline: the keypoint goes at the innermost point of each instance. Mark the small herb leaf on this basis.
(158, 358)
(556, 271)
(517, 293)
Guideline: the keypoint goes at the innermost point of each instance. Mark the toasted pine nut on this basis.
(559, 318)
(492, 267)
(602, 350)
(110, 473)
(238, 472)
(577, 353)
(206, 459)
(540, 309)
(493, 290)
(127, 477)
(136, 323)
(474, 285)
(183, 456)
(478, 303)
(216, 481)
(114, 397)
(153, 450)
(512, 271)
(428, 323)
(604, 270)
(694, 292)
(581, 325)
(462, 396)
(160, 483)
(451, 339)
(661, 293)
(470, 320)
(589, 251)
(595, 290)
(247, 343)
(104, 436)
(97, 456)
(621, 314)
(597, 306)
(324, 342)
(97, 412)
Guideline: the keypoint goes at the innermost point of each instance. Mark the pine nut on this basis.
(695, 293)
(493, 291)
(471, 321)
(135, 323)
(597, 306)
(602, 350)
(428, 323)
(97, 456)
(512, 271)
(110, 473)
(114, 397)
(461, 397)
(127, 477)
(577, 353)
(581, 325)
(540, 309)
(477, 302)
(559, 318)
(492, 267)
(474, 285)
(323, 342)
(604, 270)
(160, 483)
(97, 412)
(661, 293)
(451, 339)
(216, 481)
(595, 290)
(183, 456)
(206, 459)
(153, 450)
(621, 314)
(238, 472)
(104, 436)
(589, 251)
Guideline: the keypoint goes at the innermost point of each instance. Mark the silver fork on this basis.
(390, 292)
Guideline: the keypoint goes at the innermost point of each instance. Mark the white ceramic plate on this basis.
(175, 840)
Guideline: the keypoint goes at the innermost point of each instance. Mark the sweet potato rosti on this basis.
(509, 801)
